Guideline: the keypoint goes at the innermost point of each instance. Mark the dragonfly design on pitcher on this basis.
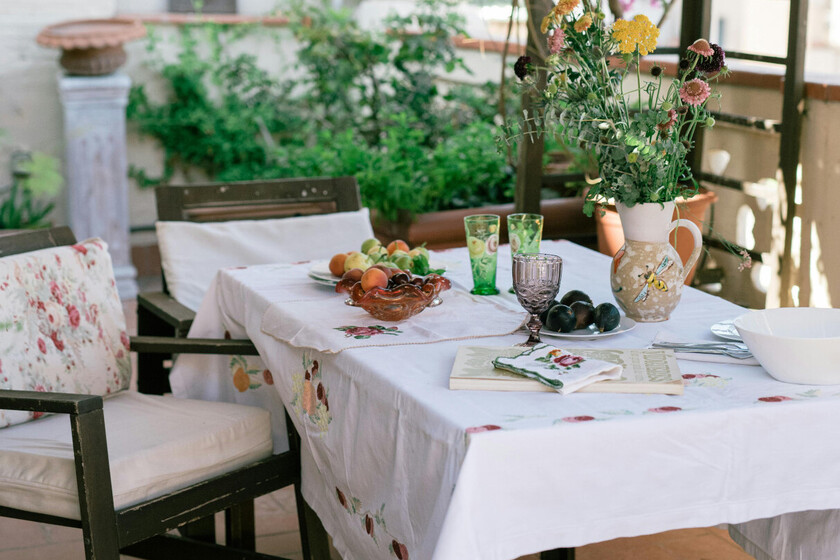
(652, 279)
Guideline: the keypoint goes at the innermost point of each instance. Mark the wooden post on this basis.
(794, 91)
(529, 171)
(696, 22)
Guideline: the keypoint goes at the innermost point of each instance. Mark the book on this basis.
(652, 371)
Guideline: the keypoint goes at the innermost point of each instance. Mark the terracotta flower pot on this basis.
(611, 235)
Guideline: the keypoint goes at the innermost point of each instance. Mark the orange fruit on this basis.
(372, 278)
(387, 270)
(337, 264)
(398, 245)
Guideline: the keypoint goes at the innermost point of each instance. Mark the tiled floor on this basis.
(277, 533)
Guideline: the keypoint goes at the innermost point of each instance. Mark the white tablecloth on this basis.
(395, 460)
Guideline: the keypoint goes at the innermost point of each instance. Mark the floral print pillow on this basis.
(62, 327)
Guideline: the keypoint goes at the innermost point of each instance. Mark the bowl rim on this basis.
(739, 324)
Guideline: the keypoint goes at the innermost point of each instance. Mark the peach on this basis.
(387, 270)
(374, 277)
(398, 245)
(337, 264)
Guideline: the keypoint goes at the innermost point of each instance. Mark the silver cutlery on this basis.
(731, 349)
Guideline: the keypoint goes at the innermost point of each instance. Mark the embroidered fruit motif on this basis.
(341, 499)
(369, 525)
(665, 409)
(485, 428)
(267, 377)
(399, 550)
(310, 393)
(574, 419)
(777, 398)
(241, 380)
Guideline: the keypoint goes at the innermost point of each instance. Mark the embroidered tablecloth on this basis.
(397, 465)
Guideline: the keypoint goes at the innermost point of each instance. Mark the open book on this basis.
(644, 371)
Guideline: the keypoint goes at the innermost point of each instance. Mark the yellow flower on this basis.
(546, 22)
(563, 7)
(583, 23)
(640, 33)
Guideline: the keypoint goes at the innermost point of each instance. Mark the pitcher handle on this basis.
(698, 243)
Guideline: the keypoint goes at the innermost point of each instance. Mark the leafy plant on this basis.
(367, 103)
(35, 178)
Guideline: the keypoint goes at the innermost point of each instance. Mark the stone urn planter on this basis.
(611, 235)
(92, 47)
(564, 219)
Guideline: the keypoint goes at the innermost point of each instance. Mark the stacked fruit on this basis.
(395, 256)
(575, 311)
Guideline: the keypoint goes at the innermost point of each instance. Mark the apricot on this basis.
(374, 277)
(387, 270)
(398, 245)
(337, 264)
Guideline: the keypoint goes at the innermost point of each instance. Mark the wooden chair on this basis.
(158, 314)
(141, 529)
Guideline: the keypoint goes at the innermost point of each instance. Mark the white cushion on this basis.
(155, 445)
(192, 253)
(62, 327)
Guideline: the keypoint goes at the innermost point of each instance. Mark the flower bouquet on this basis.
(639, 130)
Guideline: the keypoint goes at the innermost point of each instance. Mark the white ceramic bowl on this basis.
(795, 344)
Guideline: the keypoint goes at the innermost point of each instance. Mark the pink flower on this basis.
(80, 248)
(485, 428)
(701, 47)
(42, 346)
(746, 260)
(695, 92)
(672, 119)
(557, 41)
(576, 419)
(775, 399)
(55, 291)
(665, 409)
(567, 360)
(74, 315)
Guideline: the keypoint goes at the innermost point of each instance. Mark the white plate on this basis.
(591, 332)
(320, 272)
(727, 330)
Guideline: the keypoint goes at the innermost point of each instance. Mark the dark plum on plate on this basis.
(573, 296)
(584, 314)
(606, 317)
(544, 314)
(560, 318)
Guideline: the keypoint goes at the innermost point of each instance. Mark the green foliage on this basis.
(364, 103)
(35, 177)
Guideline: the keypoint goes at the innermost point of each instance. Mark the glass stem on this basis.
(534, 325)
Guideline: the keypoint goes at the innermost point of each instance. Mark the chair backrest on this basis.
(256, 200)
(62, 326)
(14, 242)
(202, 228)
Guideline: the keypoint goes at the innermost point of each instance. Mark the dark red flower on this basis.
(485, 428)
(59, 344)
(714, 63)
(269, 379)
(578, 418)
(775, 399)
(520, 68)
(665, 409)
(567, 360)
(80, 248)
(74, 315)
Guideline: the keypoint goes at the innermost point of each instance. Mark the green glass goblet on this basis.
(524, 233)
(483, 243)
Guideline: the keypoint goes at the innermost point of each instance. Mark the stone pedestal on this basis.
(97, 170)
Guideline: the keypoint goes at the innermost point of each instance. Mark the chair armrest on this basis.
(61, 403)
(167, 309)
(168, 345)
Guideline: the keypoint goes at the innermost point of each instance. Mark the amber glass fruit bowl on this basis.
(397, 303)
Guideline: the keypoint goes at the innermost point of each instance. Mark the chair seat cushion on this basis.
(192, 253)
(155, 445)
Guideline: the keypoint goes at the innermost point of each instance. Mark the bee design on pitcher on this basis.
(652, 279)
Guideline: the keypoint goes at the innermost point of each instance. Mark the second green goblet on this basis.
(524, 233)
